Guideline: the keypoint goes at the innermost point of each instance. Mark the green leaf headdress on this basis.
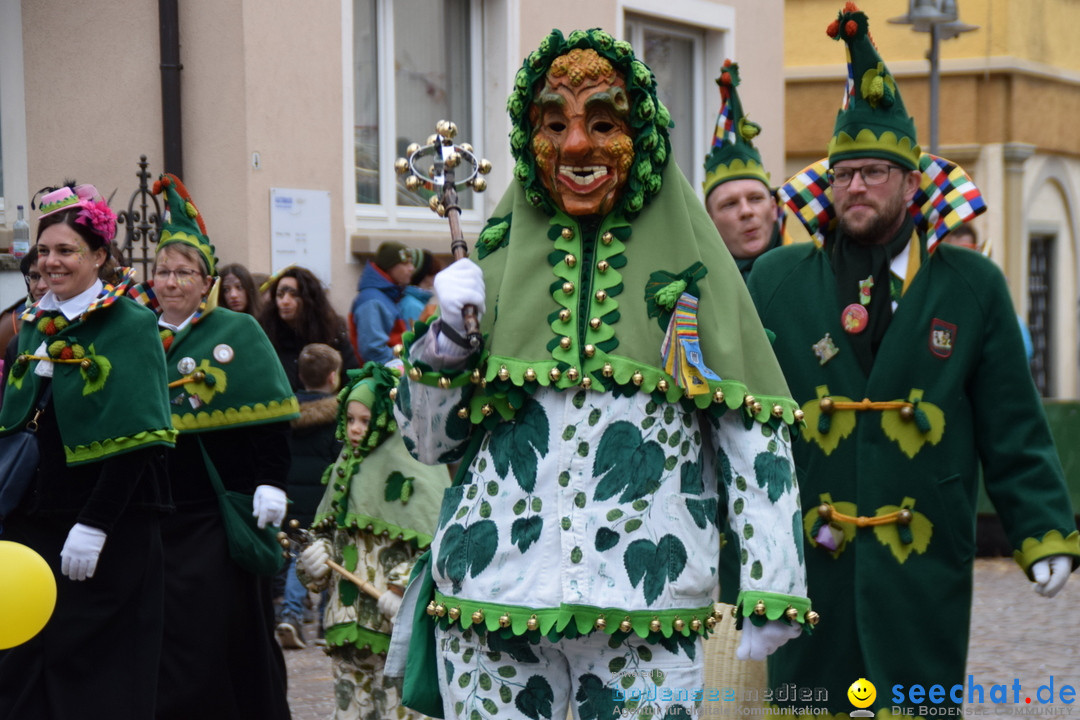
(649, 120)
(185, 223)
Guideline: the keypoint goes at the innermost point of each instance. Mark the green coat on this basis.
(895, 608)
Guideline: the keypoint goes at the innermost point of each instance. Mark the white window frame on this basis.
(713, 28)
(388, 215)
(13, 110)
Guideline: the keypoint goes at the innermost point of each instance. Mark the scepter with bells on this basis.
(434, 166)
(304, 539)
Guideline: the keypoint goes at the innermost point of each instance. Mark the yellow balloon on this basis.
(27, 593)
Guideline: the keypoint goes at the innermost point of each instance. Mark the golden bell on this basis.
(799, 415)
(607, 238)
(444, 382)
(662, 386)
(570, 260)
(607, 371)
(564, 315)
(397, 350)
(440, 210)
(440, 610)
(504, 621)
(530, 374)
(791, 614)
(85, 364)
(431, 608)
(600, 624)
(479, 184)
(454, 613)
(412, 149)
(555, 374)
(625, 625)
(710, 622)
(463, 413)
(478, 617)
(678, 625)
(466, 147)
(777, 411)
(603, 266)
(749, 401)
(392, 394)
(431, 139)
(824, 511)
(586, 382)
(564, 343)
(533, 623)
(412, 183)
(601, 296)
(903, 517)
(572, 374)
(474, 376)
(759, 607)
(637, 378)
(755, 407)
(907, 413)
(812, 617)
(567, 287)
(654, 625)
(198, 376)
(414, 373)
(695, 625)
(486, 409)
(401, 165)
(568, 233)
(826, 405)
(594, 323)
(504, 373)
(452, 160)
(718, 396)
(484, 166)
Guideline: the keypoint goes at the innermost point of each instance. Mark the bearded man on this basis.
(625, 401)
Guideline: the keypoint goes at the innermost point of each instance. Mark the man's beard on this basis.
(881, 229)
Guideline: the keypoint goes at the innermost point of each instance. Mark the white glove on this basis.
(459, 285)
(268, 505)
(389, 604)
(1050, 574)
(758, 643)
(78, 559)
(313, 560)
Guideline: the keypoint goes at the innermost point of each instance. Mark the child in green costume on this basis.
(377, 515)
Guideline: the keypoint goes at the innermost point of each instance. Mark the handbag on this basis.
(420, 688)
(19, 458)
(255, 549)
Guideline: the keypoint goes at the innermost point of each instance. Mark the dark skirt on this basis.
(97, 657)
(219, 658)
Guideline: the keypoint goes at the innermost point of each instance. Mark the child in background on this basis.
(313, 446)
(377, 515)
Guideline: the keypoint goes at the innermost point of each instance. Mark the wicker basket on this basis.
(730, 677)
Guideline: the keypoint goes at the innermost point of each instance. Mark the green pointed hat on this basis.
(733, 155)
(873, 122)
(185, 223)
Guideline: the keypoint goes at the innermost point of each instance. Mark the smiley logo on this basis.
(862, 693)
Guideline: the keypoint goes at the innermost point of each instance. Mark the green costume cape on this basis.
(121, 359)
(531, 260)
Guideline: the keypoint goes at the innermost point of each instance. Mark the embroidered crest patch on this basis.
(942, 338)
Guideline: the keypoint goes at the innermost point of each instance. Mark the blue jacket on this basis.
(413, 304)
(376, 315)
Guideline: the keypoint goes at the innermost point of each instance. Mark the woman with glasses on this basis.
(36, 287)
(231, 404)
(298, 314)
(90, 372)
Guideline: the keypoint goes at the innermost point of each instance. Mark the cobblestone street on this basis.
(1016, 634)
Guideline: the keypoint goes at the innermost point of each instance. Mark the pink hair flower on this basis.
(99, 216)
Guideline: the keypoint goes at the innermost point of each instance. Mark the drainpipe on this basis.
(169, 21)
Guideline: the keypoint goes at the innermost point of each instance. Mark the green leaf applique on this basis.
(596, 700)
(525, 531)
(518, 444)
(702, 511)
(467, 550)
(839, 423)
(774, 473)
(906, 433)
(534, 701)
(846, 531)
(628, 464)
(398, 487)
(655, 564)
(921, 529)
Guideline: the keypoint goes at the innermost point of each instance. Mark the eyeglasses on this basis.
(182, 274)
(870, 174)
(32, 278)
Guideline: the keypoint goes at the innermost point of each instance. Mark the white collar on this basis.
(75, 306)
(176, 328)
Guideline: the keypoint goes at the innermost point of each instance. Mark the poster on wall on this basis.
(300, 230)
